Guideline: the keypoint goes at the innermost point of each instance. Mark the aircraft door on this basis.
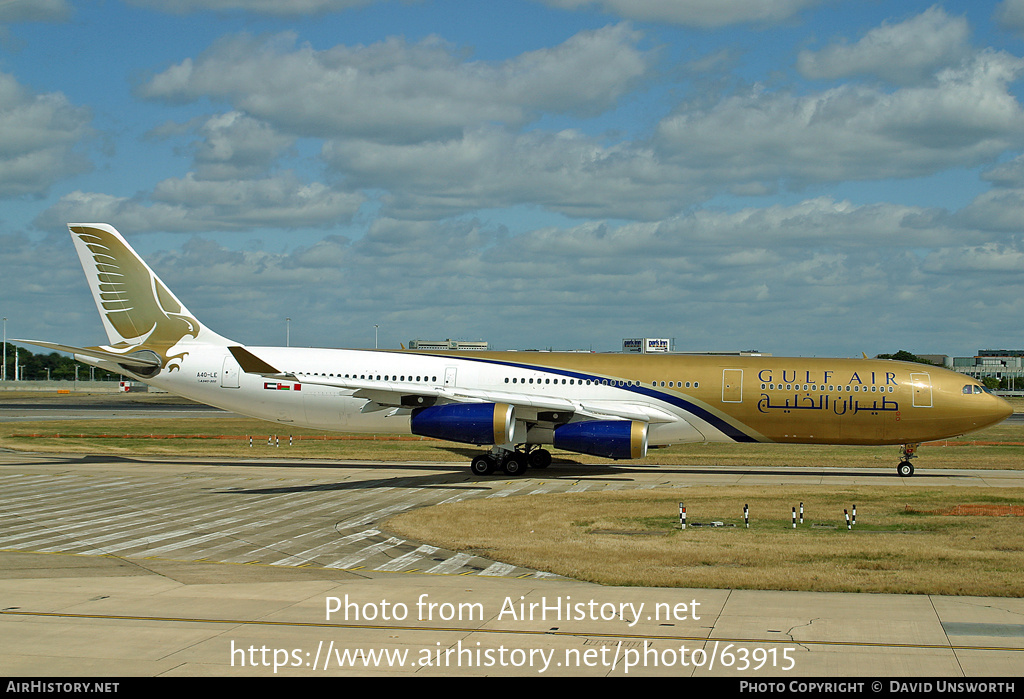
(922, 383)
(449, 377)
(732, 385)
(229, 373)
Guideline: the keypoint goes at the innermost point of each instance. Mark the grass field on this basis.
(999, 447)
(903, 540)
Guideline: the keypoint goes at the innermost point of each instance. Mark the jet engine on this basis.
(471, 423)
(612, 439)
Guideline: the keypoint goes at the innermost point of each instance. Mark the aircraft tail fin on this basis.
(138, 310)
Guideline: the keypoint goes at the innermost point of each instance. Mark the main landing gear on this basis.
(908, 452)
(513, 463)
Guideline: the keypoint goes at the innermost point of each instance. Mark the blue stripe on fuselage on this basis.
(718, 423)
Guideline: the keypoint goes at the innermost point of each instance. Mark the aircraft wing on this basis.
(392, 394)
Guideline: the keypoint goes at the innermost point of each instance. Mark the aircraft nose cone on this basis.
(1003, 409)
(995, 410)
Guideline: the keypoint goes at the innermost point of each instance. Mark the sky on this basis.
(800, 177)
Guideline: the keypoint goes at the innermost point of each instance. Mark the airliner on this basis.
(518, 404)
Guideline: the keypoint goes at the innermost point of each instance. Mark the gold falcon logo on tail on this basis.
(138, 310)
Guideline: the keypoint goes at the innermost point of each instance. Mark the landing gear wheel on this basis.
(540, 458)
(905, 469)
(482, 465)
(515, 464)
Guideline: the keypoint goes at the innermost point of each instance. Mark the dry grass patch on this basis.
(633, 538)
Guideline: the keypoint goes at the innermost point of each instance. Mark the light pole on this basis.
(375, 336)
(288, 332)
(5, 350)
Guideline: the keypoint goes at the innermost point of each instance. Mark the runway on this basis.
(120, 566)
(103, 407)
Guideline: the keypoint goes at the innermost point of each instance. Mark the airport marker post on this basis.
(682, 516)
(794, 518)
(746, 516)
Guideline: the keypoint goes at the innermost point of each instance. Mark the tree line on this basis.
(53, 366)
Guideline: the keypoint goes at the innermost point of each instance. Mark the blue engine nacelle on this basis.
(612, 439)
(471, 423)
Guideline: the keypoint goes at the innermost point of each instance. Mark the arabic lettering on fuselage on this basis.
(840, 405)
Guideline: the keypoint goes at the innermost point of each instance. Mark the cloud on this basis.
(39, 135)
(566, 172)
(35, 11)
(905, 53)
(1010, 15)
(1001, 209)
(695, 13)
(966, 118)
(713, 279)
(393, 91)
(1006, 258)
(189, 204)
(269, 7)
(236, 146)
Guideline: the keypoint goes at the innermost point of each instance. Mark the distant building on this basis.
(730, 353)
(1005, 365)
(943, 360)
(434, 345)
(646, 345)
(659, 345)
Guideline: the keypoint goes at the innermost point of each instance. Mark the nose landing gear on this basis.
(908, 452)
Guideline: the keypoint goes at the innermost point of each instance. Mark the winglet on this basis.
(250, 363)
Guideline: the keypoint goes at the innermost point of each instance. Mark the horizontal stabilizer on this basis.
(148, 360)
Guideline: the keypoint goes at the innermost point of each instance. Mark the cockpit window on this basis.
(973, 388)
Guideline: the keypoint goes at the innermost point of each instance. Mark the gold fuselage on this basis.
(795, 400)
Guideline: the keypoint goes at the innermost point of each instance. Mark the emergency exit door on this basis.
(732, 385)
(922, 383)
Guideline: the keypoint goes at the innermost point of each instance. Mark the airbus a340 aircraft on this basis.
(609, 405)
